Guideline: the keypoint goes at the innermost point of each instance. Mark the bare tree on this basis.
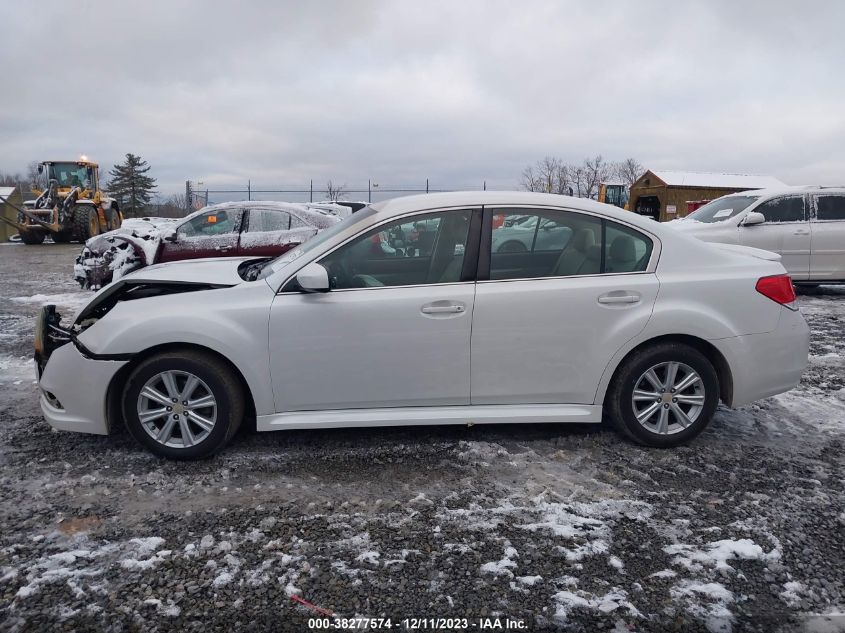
(563, 184)
(628, 171)
(552, 175)
(32, 174)
(549, 175)
(530, 181)
(593, 172)
(8, 179)
(334, 192)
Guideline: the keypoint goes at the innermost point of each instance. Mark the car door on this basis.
(393, 331)
(827, 261)
(265, 232)
(547, 321)
(210, 234)
(785, 231)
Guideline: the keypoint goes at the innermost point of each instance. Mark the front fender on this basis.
(232, 322)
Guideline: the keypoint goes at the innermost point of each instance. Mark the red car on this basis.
(261, 229)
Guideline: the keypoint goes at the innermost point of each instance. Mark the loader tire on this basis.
(62, 237)
(32, 237)
(113, 220)
(86, 223)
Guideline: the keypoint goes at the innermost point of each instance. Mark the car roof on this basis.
(302, 208)
(421, 202)
(779, 191)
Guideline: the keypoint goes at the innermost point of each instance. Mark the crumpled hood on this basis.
(215, 270)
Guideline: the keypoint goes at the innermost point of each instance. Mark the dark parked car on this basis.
(222, 230)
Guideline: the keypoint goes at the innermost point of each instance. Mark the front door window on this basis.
(422, 249)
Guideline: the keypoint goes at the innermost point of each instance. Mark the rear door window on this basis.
(785, 209)
(530, 244)
(830, 207)
(261, 220)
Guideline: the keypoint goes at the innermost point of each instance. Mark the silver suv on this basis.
(805, 225)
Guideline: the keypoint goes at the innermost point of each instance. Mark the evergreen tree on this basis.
(131, 186)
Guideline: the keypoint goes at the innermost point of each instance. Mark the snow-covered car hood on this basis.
(216, 270)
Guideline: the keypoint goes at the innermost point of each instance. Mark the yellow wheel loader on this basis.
(70, 204)
(613, 193)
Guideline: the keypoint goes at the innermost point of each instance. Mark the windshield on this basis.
(722, 209)
(72, 175)
(319, 239)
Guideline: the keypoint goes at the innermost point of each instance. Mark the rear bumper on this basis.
(767, 364)
(73, 390)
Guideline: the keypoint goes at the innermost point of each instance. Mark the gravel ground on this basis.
(555, 527)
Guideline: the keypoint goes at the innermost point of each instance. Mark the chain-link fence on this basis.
(197, 195)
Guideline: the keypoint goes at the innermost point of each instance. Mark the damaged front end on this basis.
(50, 334)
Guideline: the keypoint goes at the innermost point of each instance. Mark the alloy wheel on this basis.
(668, 398)
(177, 409)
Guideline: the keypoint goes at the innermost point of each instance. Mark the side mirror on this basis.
(753, 218)
(170, 236)
(313, 278)
(41, 169)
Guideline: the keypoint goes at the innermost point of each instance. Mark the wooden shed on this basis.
(10, 194)
(664, 195)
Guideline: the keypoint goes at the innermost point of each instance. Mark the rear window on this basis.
(722, 209)
(830, 207)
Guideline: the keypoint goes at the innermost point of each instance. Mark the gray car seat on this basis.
(622, 257)
(574, 259)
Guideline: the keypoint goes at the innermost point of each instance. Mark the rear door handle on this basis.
(223, 249)
(451, 309)
(618, 299)
(802, 232)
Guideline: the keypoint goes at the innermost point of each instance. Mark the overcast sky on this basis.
(457, 91)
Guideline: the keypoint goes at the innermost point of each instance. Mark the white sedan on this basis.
(627, 319)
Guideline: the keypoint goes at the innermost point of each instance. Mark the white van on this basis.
(805, 225)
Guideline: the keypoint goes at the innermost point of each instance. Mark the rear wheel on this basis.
(113, 219)
(32, 237)
(86, 222)
(183, 405)
(664, 395)
(62, 237)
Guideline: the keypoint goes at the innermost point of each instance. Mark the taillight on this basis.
(778, 288)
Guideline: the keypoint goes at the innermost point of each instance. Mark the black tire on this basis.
(222, 384)
(62, 237)
(619, 399)
(512, 247)
(86, 222)
(32, 237)
(113, 219)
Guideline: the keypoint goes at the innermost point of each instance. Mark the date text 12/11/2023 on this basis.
(418, 624)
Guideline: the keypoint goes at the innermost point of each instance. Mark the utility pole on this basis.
(311, 199)
(249, 189)
(369, 189)
(189, 196)
(426, 185)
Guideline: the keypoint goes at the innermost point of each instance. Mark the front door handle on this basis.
(223, 249)
(802, 232)
(606, 299)
(450, 309)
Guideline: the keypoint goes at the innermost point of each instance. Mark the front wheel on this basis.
(32, 237)
(183, 404)
(86, 222)
(664, 395)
